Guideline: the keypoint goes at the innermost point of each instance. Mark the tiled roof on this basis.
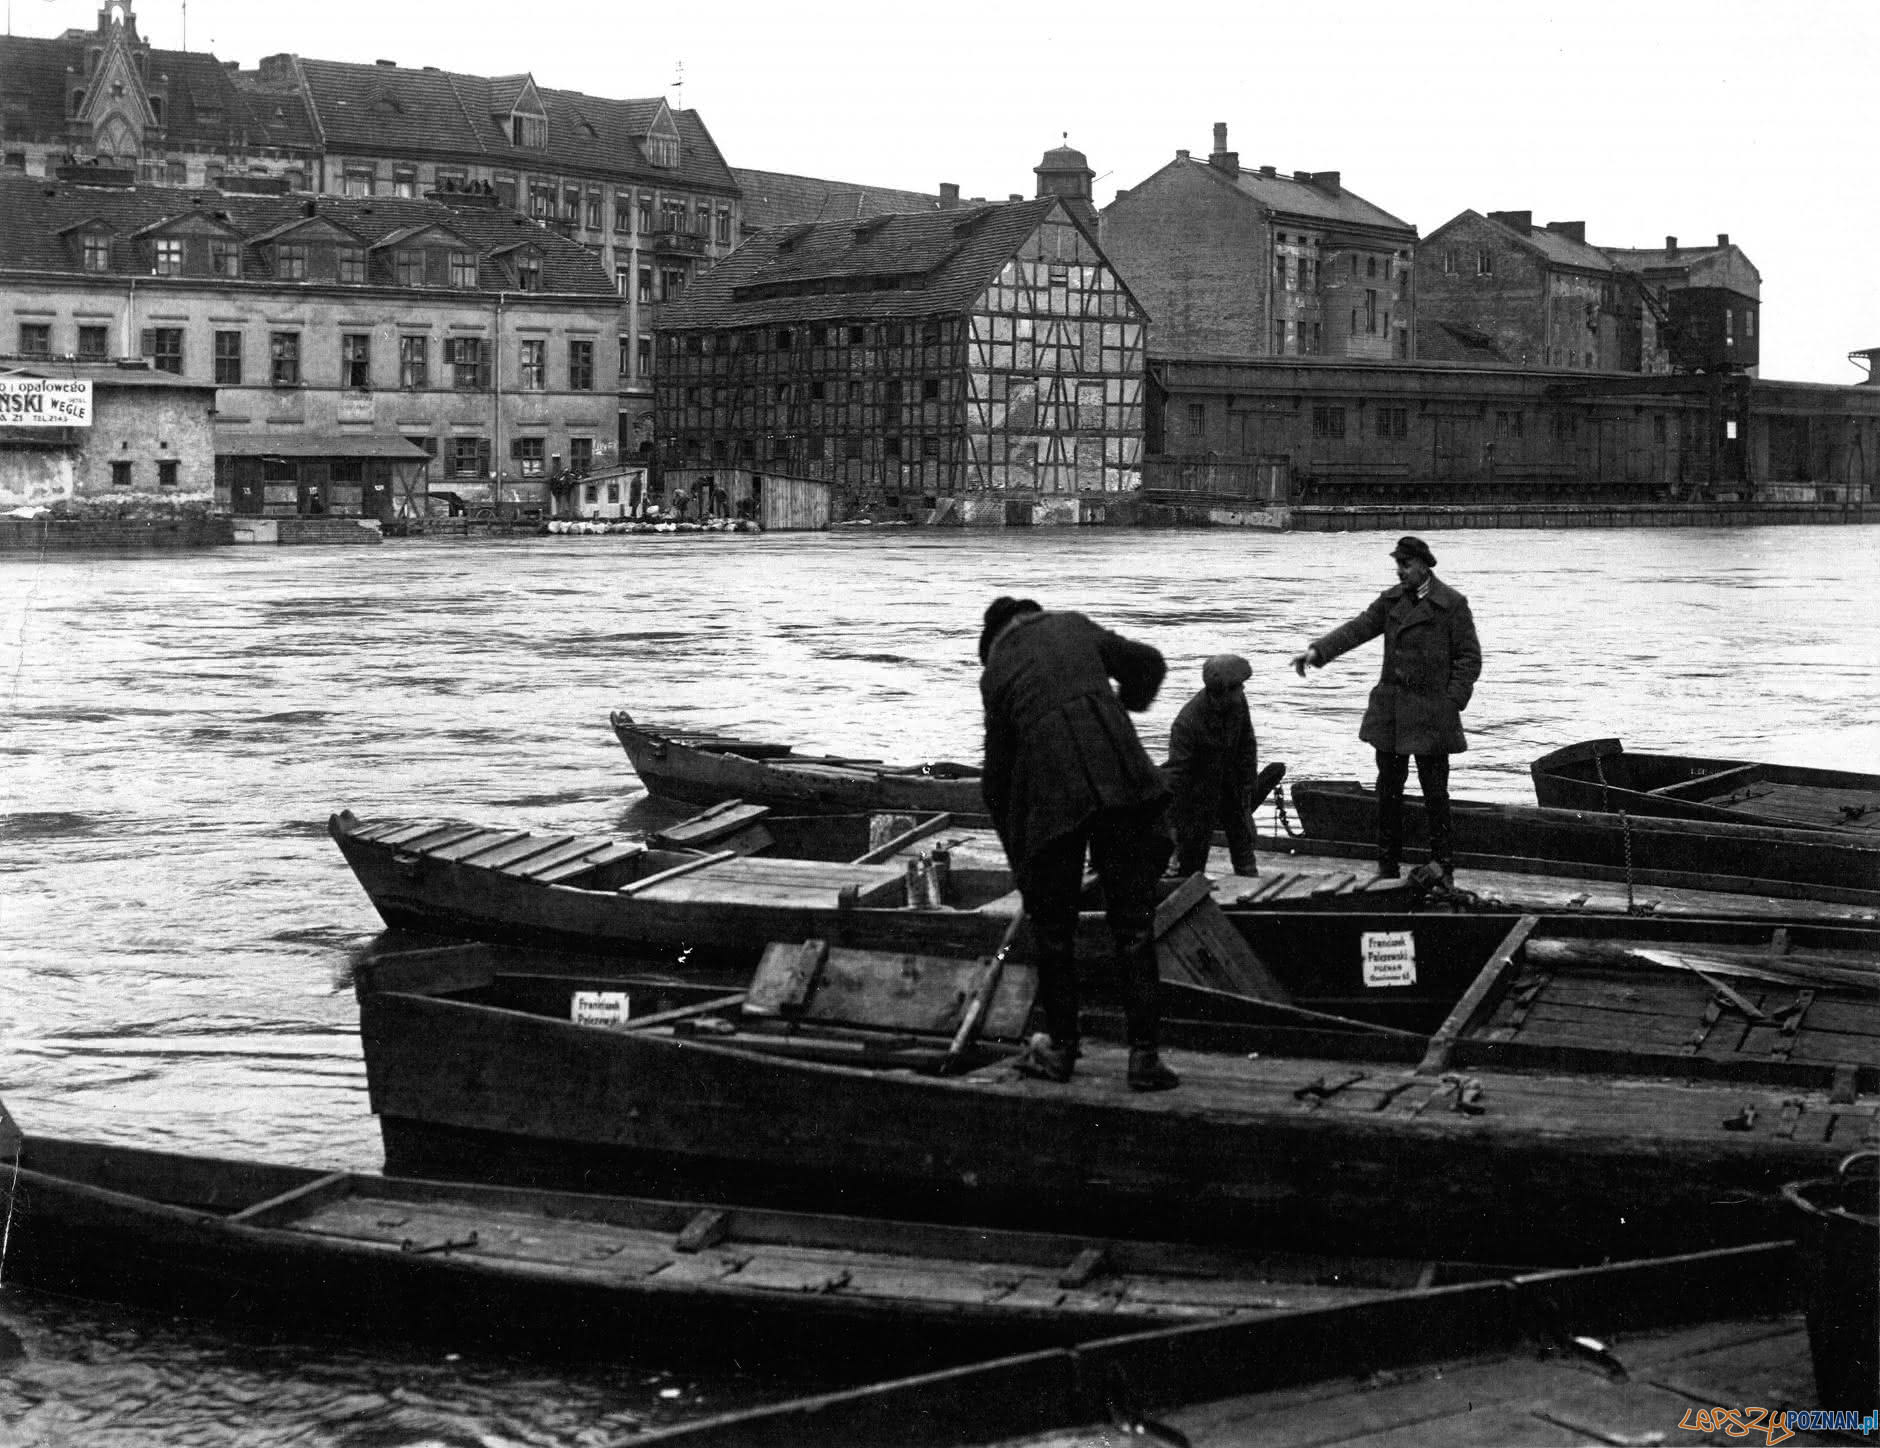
(206, 109)
(933, 262)
(105, 374)
(1639, 258)
(1301, 198)
(775, 198)
(34, 212)
(397, 111)
(1565, 251)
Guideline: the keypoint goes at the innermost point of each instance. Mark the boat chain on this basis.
(1625, 831)
(1279, 811)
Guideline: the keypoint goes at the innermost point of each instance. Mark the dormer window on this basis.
(529, 131)
(352, 265)
(463, 269)
(529, 272)
(95, 252)
(78, 101)
(662, 151)
(408, 266)
(169, 257)
(290, 261)
(225, 258)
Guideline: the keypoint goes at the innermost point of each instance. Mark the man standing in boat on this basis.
(1431, 662)
(1066, 776)
(1212, 759)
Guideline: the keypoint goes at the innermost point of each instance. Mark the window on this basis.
(408, 266)
(580, 455)
(35, 339)
(646, 212)
(120, 475)
(528, 455)
(225, 258)
(284, 359)
(1749, 325)
(1285, 276)
(355, 360)
(228, 359)
(166, 473)
(1328, 421)
(581, 366)
(1197, 419)
(469, 361)
(1451, 260)
(929, 387)
(891, 447)
(94, 344)
(1658, 427)
(646, 284)
(594, 210)
(469, 457)
(930, 447)
(1370, 310)
(463, 270)
(404, 181)
(646, 356)
(672, 282)
(1393, 422)
(623, 212)
(290, 262)
(1507, 424)
(1279, 336)
(358, 182)
(663, 151)
(702, 220)
(891, 390)
(671, 214)
(534, 377)
(784, 339)
(1485, 263)
(352, 265)
(529, 131)
(414, 355)
(169, 257)
(724, 224)
(855, 336)
(95, 252)
(164, 347)
(1370, 266)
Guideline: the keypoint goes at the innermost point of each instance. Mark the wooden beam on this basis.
(1485, 984)
(635, 887)
(901, 841)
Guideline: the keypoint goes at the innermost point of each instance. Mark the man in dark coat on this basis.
(1065, 775)
(1212, 759)
(1431, 663)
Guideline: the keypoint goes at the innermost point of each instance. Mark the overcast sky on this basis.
(1642, 118)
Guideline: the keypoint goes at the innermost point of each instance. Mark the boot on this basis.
(1147, 1073)
(1045, 1060)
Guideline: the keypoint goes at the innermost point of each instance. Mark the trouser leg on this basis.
(1433, 779)
(1193, 833)
(1126, 851)
(1239, 831)
(1392, 771)
(1050, 885)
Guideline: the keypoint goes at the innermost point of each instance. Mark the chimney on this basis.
(1671, 248)
(1326, 181)
(1222, 159)
(1521, 221)
(1572, 230)
(1269, 170)
(949, 196)
(1014, 197)
(390, 63)
(1182, 154)
(1723, 238)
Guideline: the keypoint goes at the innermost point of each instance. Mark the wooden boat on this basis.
(1574, 1098)
(1760, 859)
(1620, 1353)
(708, 913)
(1603, 775)
(701, 768)
(598, 1275)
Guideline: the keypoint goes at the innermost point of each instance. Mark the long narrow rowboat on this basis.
(1580, 1099)
(1753, 858)
(1603, 775)
(602, 1275)
(699, 768)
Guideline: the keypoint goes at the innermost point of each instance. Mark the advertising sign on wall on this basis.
(45, 402)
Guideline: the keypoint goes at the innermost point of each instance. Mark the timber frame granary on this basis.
(984, 364)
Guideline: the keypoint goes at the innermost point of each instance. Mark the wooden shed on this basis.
(777, 502)
(382, 476)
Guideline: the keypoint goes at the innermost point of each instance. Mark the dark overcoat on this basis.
(1431, 663)
(1059, 746)
(1212, 755)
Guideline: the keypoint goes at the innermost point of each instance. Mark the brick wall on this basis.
(1509, 304)
(1197, 255)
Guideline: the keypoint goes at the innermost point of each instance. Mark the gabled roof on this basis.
(776, 198)
(191, 220)
(1553, 247)
(423, 228)
(318, 222)
(443, 114)
(895, 265)
(36, 216)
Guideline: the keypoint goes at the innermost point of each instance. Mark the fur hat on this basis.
(1001, 611)
(1409, 547)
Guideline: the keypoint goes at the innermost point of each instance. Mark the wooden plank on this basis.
(710, 1227)
(1487, 981)
(498, 857)
(1199, 945)
(408, 833)
(638, 887)
(612, 855)
(1708, 784)
(785, 977)
(907, 837)
(490, 840)
(574, 851)
(313, 1193)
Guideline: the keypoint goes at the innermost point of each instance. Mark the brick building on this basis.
(986, 362)
(1542, 296)
(346, 329)
(637, 182)
(1237, 263)
(149, 436)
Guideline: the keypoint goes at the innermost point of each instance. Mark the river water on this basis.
(176, 930)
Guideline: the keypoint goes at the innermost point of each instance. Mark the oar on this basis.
(980, 1001)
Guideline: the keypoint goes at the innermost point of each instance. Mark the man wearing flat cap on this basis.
(1431, 663)
(1212, 759)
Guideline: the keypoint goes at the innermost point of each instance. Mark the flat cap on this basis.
(1223, 671)
(1411, 547)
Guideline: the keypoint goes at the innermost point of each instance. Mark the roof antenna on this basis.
(678, 81)
(185, 24)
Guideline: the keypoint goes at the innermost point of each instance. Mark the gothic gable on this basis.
(117, 105)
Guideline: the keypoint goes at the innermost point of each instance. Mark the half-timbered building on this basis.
(983, 364)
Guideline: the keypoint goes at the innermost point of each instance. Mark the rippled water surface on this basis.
(176, 929)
